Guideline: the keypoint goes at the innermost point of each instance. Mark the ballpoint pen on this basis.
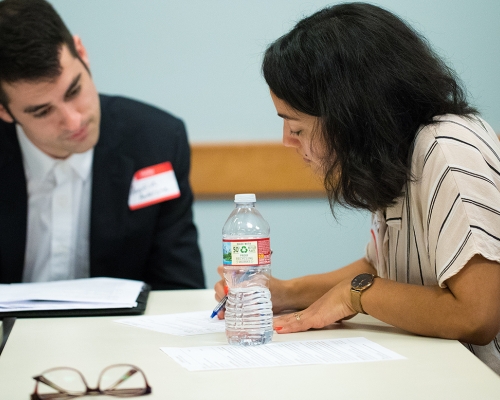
(219, 306)
(222, 303)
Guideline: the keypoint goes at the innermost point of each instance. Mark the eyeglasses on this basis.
(119, 380)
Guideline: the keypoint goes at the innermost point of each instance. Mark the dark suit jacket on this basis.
(156, 244)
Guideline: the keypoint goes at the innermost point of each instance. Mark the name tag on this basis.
(153, 185)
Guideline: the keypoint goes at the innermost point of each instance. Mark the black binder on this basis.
(142, 300)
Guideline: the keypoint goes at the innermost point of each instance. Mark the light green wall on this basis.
(201, 61)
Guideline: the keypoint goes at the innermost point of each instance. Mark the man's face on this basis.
(60, 116)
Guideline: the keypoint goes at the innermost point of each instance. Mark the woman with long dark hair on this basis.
(385, 122)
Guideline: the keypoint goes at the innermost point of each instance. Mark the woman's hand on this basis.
(333, 306)
(220, 290)
(220, 286)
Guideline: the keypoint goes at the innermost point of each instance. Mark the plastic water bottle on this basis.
(247, 268)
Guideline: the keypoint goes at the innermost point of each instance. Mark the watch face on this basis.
(362, 281)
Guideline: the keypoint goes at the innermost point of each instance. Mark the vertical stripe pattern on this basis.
(449, 213)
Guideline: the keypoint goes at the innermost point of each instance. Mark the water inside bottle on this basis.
(249, 316)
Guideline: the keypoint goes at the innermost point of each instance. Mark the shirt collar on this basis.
(38, 164)
(82, 163)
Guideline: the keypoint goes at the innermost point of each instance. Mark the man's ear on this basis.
(80, 49)
(5, 115)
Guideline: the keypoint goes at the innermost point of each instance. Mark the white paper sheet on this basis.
(330, 351)
(181, 324)
(70, 294)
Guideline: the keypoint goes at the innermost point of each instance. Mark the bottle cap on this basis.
(245, 198)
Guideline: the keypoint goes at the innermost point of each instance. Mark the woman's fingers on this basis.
(332, 307)
(221, 314)
(289, 323)
(220, 287)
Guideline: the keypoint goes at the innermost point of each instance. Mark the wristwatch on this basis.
(359, 284)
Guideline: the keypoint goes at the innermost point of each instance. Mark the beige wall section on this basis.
(268, 169)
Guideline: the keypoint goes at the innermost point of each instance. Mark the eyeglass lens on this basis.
(122, 380)
(64, 380)
(116, 380)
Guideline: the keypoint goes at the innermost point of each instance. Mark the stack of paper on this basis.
(67, 295)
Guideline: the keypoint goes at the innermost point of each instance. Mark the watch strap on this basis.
(356, 301)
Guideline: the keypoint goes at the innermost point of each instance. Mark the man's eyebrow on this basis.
(34, 109)
(73, 84)
(284, 116)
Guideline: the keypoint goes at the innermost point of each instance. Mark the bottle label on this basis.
(246, 252)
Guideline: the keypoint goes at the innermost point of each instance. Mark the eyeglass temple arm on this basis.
(41, 378)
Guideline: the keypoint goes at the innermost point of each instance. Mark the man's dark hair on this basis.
(372, 81)
(31, 38)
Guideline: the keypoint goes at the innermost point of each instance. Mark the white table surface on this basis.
(433, 368)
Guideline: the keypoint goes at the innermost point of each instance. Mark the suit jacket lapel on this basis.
(13, 206)
(111, 178)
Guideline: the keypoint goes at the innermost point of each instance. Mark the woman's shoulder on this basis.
(460, 127)
(450, 138)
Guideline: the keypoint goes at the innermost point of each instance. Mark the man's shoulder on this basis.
(6, 127)
(8, 138)
(132, 111)
(139, 129)
(134, 123)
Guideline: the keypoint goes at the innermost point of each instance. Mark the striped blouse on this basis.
(449, 213)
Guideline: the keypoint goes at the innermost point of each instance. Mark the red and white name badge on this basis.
(152, 185)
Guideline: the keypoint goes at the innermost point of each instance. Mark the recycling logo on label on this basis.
(244, 249)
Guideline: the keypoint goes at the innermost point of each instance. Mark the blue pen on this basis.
(219, 307)
(222, 303)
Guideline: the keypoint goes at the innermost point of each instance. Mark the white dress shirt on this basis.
(57, 238)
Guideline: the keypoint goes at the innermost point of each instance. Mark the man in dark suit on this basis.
(92, 185)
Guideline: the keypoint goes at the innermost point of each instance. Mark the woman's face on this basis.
(298, 132)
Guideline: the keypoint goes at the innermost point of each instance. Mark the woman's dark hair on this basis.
(31, 37)
(372, 81)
